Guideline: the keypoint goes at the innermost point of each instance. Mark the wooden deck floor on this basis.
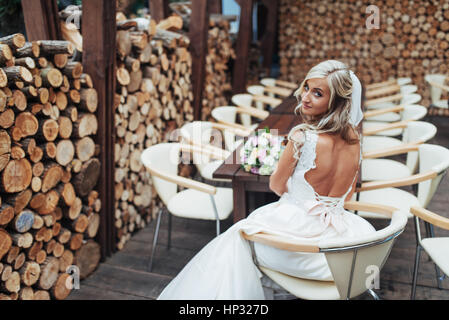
(125, 276)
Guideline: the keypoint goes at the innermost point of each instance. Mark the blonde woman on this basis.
(316, 173)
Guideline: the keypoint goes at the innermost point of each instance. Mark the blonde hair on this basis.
(336, 119)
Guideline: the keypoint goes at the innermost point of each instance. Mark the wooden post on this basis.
(159, 9)
(198, 48)
(269, 37)
(240, 69)
(99, 50)
(215, 7)
(41, 19)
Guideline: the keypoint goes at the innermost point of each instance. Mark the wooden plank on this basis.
(269, 37)
(99, 49)
(243, 43)
(287, 106)
(215, 6)
(159, 9)
(41, 20)
(198, 49)
(91, 292)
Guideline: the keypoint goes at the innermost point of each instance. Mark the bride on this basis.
(315, 174)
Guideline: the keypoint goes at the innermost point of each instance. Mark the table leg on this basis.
(240, 206)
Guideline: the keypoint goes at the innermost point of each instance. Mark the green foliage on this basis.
(10, 7)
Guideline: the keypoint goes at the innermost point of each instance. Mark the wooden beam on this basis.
(269, 37)
(215, 6)
(159, 9)
(198, 48)
(41, 20)
(240, 69)
(99, 50)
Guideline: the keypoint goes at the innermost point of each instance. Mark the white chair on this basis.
(390, 90)
(260, 102)
(198, 201)
(437, 86)
(409, 113)
(435, 247)
(392, 101)
(373, 168)
(209, 136)
(229, 116)
(351, 261)
(416, 132)
(433, 163)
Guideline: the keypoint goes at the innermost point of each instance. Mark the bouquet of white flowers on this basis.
(261, 152)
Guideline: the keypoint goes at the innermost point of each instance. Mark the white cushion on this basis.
(371, 143)
(383, 169)
(394, 197)
(194, 204)
(387, 117)
(438, 250)
(377, 124)
(303, 288)
(208, 170)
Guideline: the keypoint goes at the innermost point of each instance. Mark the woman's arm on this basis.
(285, 167)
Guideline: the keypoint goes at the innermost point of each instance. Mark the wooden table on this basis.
(282, 119)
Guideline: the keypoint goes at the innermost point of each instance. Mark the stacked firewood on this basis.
(217, 82)
(48, 169)
(411, 40)
(154, 96)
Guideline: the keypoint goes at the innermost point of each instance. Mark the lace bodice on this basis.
(301, 193)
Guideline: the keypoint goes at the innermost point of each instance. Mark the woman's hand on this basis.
(285, 167)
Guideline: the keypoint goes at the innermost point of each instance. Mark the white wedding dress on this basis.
(224, 268)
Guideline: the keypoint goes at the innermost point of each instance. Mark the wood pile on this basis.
(412, 39)
(154, 96)
(48, 169)
(217, 82)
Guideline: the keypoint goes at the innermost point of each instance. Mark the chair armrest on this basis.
(281, 242)
(404, 148)
(283, 92)
(257, 113)
(207, 149)
(382, 91)
(236, 128)
(182, 181)
(383, 99)
(390, 126)
(371, 207)
(430, 217)
(267, 100)
(373, 113)
(414, 179)
(376, 85)
(439, 85)
(286, 84)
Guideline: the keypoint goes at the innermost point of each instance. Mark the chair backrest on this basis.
(435, 92)
(229, 114)
(409, 88)
(411, 98)
(417, 131)
(269, 82)
(258, 90)
(201, 133)
(163, 157)
(431, 157)
(403, 81)
(355, 262)
(413, 112)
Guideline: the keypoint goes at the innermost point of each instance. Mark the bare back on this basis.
(337, 163)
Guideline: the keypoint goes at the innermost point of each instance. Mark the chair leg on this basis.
(217, 217)
(169, 230)
(415, 271)
(373, 294)
(156, 233)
